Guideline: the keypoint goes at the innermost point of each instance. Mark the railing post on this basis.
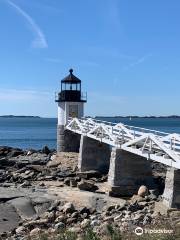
(150, 145)
(171, 144)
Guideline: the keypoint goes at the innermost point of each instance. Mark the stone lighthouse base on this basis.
(67, 141)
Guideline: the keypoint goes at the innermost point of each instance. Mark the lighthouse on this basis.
(71, 102)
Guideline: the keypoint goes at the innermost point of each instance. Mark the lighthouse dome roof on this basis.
(71, 78)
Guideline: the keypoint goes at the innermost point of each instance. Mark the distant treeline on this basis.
(13, 116)
(171, 116)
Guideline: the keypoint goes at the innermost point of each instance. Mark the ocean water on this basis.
(37, 132)
(28, 133)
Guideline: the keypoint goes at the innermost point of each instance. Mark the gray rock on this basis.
(95, 223)
(75, 215)
(46, 150)
(24, 207)
(138, 217)
(35, 158)
(54, 205)
(8, 218)
(60, 218)
(25, 184)
(85, 223)
(87, 186)
(41, 204)
(117, 218)
(59, 226)
(147, 220)
(51, 216)
(35, 232)
(67, 181)
(73, 183)
(75, 229)
(110, 219)
(68, 208)
(8, 193)
(71, 220)
(15, 153)
(21, 230)
(134, 207)
(84, 210)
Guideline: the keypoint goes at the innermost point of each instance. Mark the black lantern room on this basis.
(71, 89)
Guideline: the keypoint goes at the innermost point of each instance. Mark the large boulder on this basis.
(68, 208)
(34, 158)
(10, 152)
(35, 232)
(46, 150)
(85, 223)
(87, 185)
(15, 153)
(9, 218)
(24, 207)
(21, 230)
(143, 191)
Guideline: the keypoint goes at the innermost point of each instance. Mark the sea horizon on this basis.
(98, 116)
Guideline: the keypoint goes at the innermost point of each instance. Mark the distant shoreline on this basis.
(13, 116)
(132, 117)
(96, 117)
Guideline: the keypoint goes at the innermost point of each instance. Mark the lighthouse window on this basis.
(73, 111)
(73, 86)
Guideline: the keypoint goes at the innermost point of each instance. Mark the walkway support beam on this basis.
(127, 172)
(93, 155)
(171, 195)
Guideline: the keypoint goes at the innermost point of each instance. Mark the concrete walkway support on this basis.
(127, 172)
(171, 195)
(93, 155)
(67, 141)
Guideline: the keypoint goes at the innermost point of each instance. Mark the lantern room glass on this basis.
(71, 87)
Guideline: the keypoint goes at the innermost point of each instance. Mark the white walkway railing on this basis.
(154, 145)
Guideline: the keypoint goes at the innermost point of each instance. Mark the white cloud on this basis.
(40, 39)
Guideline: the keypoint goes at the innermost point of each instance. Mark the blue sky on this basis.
(126, 52)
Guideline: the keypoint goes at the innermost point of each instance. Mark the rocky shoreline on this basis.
(41, 191)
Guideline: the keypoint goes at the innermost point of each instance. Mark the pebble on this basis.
(95, 223)
(85, 223)
(59, 225)
(117, 218)
(35, 232)
(60, 218)
(20, 230)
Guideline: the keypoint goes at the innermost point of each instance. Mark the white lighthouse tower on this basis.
(70, 104)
